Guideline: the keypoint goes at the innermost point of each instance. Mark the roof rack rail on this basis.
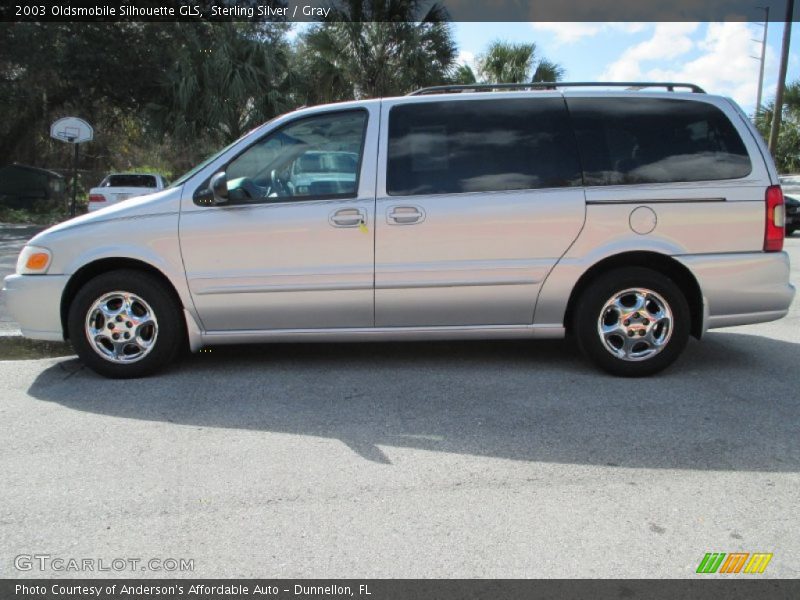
(552, 85)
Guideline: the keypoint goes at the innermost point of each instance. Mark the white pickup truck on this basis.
(121, 186)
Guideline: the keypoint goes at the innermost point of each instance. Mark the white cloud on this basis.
(628, 27)
(725, 66)
(568, 33)
(669, 40)
(467, 58)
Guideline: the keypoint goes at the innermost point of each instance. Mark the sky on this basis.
(716, 56)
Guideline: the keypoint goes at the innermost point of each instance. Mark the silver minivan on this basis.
(627, 218)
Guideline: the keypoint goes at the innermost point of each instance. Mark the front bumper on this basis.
(34, 302)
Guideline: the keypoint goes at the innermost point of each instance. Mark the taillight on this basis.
(773, 230)
(97, 198)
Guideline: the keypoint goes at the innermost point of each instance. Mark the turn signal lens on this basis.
(37, 262)
(33, 260)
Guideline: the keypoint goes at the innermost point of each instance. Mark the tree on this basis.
(375, 48)
(156, 93)
(787, 152)
(506, 62)
(548, 71)
(463, 75)
(93, 70)
(226, 79)
(166, 94)
(791, 97)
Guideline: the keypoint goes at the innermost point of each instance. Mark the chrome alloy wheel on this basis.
(635, 324)
(121, 327)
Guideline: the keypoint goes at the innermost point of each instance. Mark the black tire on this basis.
(167, 337)
(591, 305)
(790, 232)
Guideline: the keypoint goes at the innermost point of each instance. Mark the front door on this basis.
(293, 247)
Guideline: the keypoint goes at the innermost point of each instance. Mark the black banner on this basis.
(348, 10)
(733, 588)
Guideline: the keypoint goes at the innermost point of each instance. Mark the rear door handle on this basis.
(348, 217)
(405, 215)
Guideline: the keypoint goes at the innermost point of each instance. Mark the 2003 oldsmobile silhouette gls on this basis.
(629, 219)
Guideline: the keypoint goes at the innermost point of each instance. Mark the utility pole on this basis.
(763, 59)
(74, 177)
(776, 114)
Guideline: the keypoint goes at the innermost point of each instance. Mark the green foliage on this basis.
(464, 75)
(548, 71)
(403, 45)
(226, 79)
(505, 62)
(343, 61)
(787, 150)
(791, 97)
(163, 95)
(155, 170)
(50, 216)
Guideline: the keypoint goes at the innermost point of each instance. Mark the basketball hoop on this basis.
(72, 130)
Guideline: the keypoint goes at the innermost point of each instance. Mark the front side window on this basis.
(314, 157)
(452, 147)
(654, 140)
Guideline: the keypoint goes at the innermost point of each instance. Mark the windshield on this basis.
(193, 171)
(130, 180)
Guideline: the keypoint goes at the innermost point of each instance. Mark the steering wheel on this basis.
(245, 189)
(276, 185)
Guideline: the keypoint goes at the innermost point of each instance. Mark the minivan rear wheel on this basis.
(125, 324)
(632, 322)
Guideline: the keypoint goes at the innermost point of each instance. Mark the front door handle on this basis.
(405, 215)
(348, 217)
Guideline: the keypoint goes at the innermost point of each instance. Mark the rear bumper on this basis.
(34, 302)
(740, 289)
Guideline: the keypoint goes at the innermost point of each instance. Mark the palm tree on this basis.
(506, 62)
(548, 71)
(375, 48)
(791, 97)
(226, 79)
(787, 153)
(463, 75)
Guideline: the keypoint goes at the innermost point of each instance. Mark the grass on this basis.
(14, 347)
(22, 216)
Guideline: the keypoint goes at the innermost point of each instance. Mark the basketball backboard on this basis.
(72, 130)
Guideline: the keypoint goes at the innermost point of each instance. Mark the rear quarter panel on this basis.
(691, 219)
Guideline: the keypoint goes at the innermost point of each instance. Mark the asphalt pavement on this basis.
(479, 459)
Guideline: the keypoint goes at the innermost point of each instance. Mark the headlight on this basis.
(33, 260)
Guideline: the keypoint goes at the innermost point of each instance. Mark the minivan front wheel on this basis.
(125, 324)
(632, 322)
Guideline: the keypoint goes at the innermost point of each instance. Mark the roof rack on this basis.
(552, 85)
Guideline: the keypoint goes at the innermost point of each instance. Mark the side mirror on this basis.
(219, 187)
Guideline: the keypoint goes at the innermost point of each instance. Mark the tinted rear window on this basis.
(635, 140)
(452, 147)
(147, 181)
